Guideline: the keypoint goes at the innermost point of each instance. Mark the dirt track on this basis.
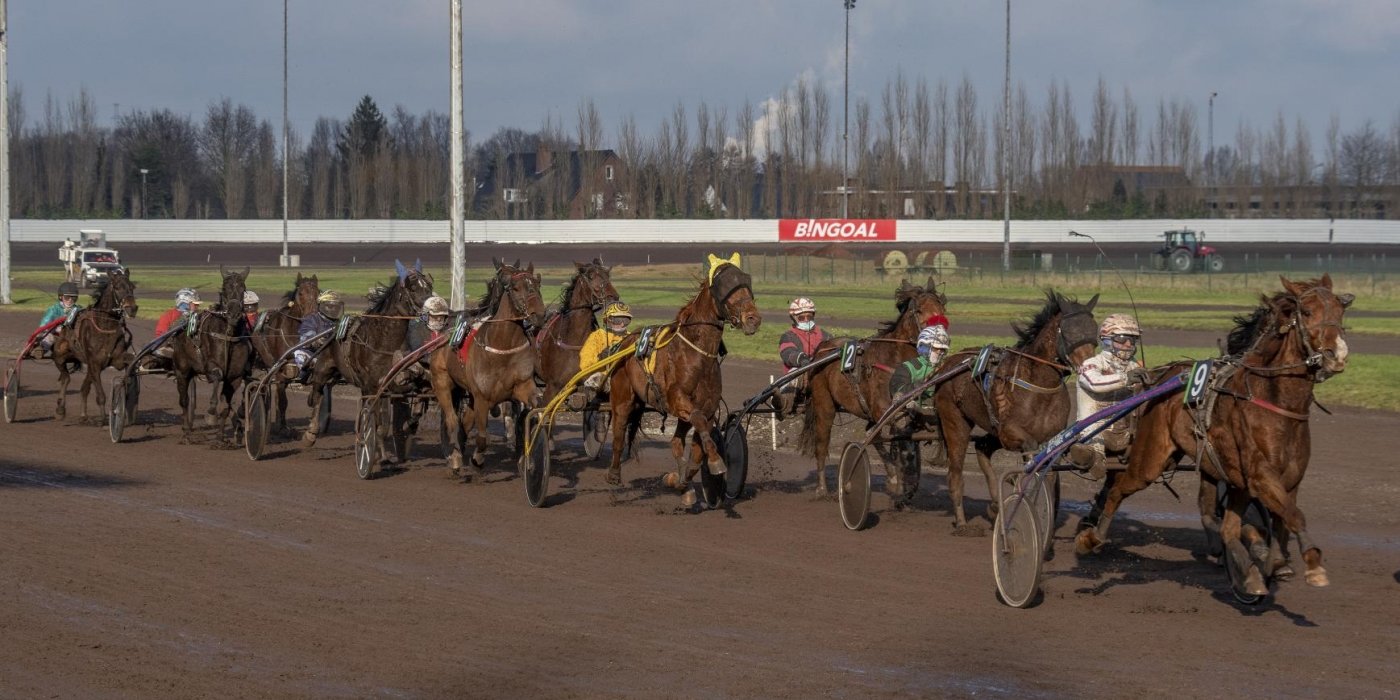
(155, 569)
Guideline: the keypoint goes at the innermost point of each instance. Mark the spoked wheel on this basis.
(853, 485)
(11, 392)
(323, 411)
(116, 420)
(1017, 551)
(595, 431)
(735, 449)
(1042, 493)
(257, 421)
(534, 458)
(712, 485)
(367, 442)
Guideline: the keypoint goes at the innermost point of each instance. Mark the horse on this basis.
(683, 378)
(864, 392)
(366, 346)
(96, 339)
(495, 363)
(276, 332)
(1019, 397)
(564, 331)
(1254, 424)
(214, 345)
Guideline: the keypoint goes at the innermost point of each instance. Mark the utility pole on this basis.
(1006, 152)
(4, 152)
(286, 260)
(459, 206)
(846, 120)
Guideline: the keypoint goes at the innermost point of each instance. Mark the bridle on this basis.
(1312, 357)
(1064, 350)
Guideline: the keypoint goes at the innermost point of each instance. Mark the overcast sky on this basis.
(528, 58)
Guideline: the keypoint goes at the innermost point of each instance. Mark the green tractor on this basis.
(1185, 250)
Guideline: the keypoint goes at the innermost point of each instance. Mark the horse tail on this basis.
(807, 441)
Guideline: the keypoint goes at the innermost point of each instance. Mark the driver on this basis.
(67, 301)
(329, 309)
(797, 346)
(186, 303)
(1104, 379)
(250, 310)
(604, 341)
(931, 347)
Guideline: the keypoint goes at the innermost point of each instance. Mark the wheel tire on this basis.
(853, 486)
(1017, 553)
(11, 393)
(735, 449)
(256, 421)
(534, 461)
(323, 411)
(367, 442)
(116, 408)
(1179, 260)
(1215, 263)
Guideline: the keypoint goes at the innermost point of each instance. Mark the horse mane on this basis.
(1027, 331)
(288, 298)
(568, 291)
(903, 297)
(378, 296)
(99, 290)
(701, 285)
(486, 302)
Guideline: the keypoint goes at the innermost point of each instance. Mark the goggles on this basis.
(1123, 339)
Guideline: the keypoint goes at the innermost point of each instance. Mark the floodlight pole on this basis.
(4, 153)
(458, 204)
(286, 260)
(846, 120)
(1006, 152)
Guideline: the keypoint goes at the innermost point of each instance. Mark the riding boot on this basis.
(305, 375)
(1089, 459)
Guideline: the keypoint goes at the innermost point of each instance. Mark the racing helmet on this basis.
(621, 312)
(934, 337)
(436, 306)
(250, 298)
(187, 296)
(330, 305)
(802, 305)
(1119, 335)
(68, 289)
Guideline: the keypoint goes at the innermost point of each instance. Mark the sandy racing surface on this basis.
(154, 569)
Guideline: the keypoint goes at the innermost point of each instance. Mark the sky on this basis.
(527, 59)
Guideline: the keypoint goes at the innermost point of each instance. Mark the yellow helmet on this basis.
(617, 308)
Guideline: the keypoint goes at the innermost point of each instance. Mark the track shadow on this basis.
(14, 474)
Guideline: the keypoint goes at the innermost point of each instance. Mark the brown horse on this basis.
(276, 332)
(1019, 397)
(681, 375)
(499, 364)
(1255, 427)
(214, 346)
(369, 344)
(865, 391)
(96, 339)
(562, 337)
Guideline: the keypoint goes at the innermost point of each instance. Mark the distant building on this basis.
(1302, 202)
(548, 185)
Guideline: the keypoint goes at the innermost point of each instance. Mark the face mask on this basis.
(617, 326)
(437, 323)
(806, 325)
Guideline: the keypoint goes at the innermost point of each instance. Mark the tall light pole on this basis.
(144, 171)
(459, 186)
(285, 260)
(4, 153)
(1210, 142)
(1006, 151)
(846, 120)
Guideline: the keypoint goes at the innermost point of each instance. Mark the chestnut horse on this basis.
(499, 362)
(276, 332)
(681, 375)
(214, 346)
(97, 339)
(1019, 398)
(1256, 435)
(865, 391)
(365, 350)
(562, 337)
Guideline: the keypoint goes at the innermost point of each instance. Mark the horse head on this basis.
(117, 295)
(518, 294)
(732, 291)
(1077, 337)
(1316, 312)
(305, 292)
(592, 286)
(918, 305)
(231, 292)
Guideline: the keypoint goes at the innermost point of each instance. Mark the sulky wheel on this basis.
(735, 449)
(1017, 552)
(595, 432)
(1042, 491)
(323, 410)
(367, 441)
(11, 392)
(534, 457)
(257, 422)
(116, 422)
(853, 485)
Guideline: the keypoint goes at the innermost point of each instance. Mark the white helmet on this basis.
(187, 296)
(436, 306)
(801, 305)
(1119, 324)
(250, 298)
(934, 337)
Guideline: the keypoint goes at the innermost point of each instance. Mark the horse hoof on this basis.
(672, 480)
(717, 466)
(1317, 577)
(1284, 572)
(1087, 542)
(309, 438)
(1253, 584)
(688, 499)
(614, 478)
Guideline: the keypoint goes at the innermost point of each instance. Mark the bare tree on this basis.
(1102, 125)
(267, 180)
(1129, 153)
(226, 144)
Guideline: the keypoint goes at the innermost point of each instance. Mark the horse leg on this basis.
(318, 393)
(681, 477)
(1231, 529)
(182, 386)
(83, 390)
(956, 435)
(279, 386)
(216, 381)
(100, 394)
(61, 409)
(478, 458)
(1091, 539)
(987, 447)
(624, 424)
(444, 390)
(821, 411)
(1279, 560)
(1276, 498)
(1210, 522)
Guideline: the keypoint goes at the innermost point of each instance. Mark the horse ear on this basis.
(222, 271)
(517, 264)
(929, 284)
(399, 268)
(531, 268)
(598, 260)
(315, 278)
(1290, 285)
(579, 266)
(1326, 280)
(246, 271)
(1346, 299)
(1092, 302)
(496, 261)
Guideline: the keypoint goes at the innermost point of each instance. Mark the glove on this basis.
(803, 360)
(1137, 375)
(594, 381)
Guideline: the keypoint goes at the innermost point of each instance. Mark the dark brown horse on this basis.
(214, 346)
(96, 339)
(564, 331)
(370, 343)
(276, 332)
(681, 376)
(865, 391)
(499, 363)
(1255, 427)
(1019, 398)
